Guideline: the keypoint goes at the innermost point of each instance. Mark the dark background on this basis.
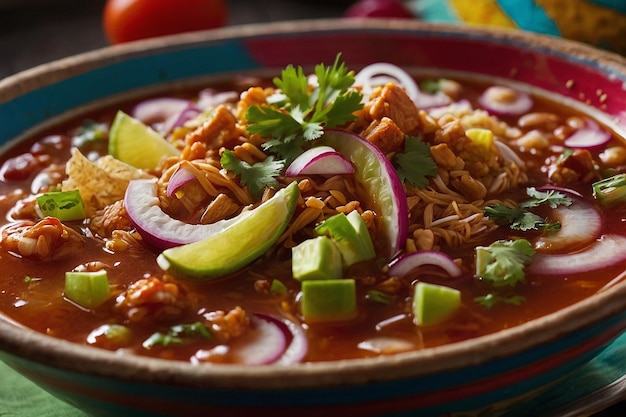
(34, 32)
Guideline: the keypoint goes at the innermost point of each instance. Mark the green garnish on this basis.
(502, 263)
(415, 164)
(552, 198)
(521, 219)
(379, 297)
(490, 300)
(610, 190)
(90, 132)
(301, 111)
(178, 335)
(431, 86)
(277, 287)
(87, 289)
(257, 176)
(64, 205)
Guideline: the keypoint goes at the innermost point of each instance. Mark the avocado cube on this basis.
(354, 245)
(316, 258)
(433, 304)
(329, 300)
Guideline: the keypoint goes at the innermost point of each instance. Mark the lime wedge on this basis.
(237, 245)
(137, 144)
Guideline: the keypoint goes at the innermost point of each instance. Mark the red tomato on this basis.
(129, 20)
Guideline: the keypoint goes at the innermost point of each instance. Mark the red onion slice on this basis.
(160, 109)
(319, 160)
(406, 263)
(380, 73)
(156, 227)
(181, 177)
(265, 343)
(581, 223)
(607, 251)
(590, 136)
(179, 119)
(381, 184)
(298, 345)
(505, 101)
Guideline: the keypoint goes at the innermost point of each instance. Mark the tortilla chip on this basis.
(100, 183)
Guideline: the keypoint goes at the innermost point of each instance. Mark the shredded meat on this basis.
(46, 239)
(226, 326)
(578, 167)
(152, 298)
(112, 217)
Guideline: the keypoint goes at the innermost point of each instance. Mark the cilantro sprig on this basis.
(520, 218)
(415, 165)
(301, 111)
(297, 114)
(178, 335)
(502, 263)
(256, 176)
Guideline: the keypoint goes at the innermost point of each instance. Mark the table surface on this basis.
(34, 32)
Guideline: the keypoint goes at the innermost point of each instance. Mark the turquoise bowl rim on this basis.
(55, 90)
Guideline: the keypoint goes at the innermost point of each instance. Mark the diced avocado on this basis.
(366, 244)
(329, 300)
(354, 245)
(434, 304)
(87, 289)
(317, 258)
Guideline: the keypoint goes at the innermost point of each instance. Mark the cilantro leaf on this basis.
(502, 263)
(552, 198)
(491, 300)
(256, 176)
(517, 218)
(415, 164)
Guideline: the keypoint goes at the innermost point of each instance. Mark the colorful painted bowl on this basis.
(487, 375)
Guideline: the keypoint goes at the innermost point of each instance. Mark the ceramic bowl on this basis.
(488, 374)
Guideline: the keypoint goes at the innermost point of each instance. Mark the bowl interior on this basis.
(575, 73)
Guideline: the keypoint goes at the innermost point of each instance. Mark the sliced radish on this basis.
(160, 109)
(590, 136)
(158, 228)
(265, 343)
(505, 101)
(581, 223)
(382, 189)
(380, 73)
(607, 251)
(319, 160)
(404, 264)
(181, 177)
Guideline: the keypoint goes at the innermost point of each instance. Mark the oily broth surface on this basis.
(31, 291)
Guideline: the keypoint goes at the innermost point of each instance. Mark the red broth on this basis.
(32, 289)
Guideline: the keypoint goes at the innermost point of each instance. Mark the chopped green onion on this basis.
(379, 297)
(87, 289)
(64, 205)
(177, 334)
(610, 190)
(277, 287)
